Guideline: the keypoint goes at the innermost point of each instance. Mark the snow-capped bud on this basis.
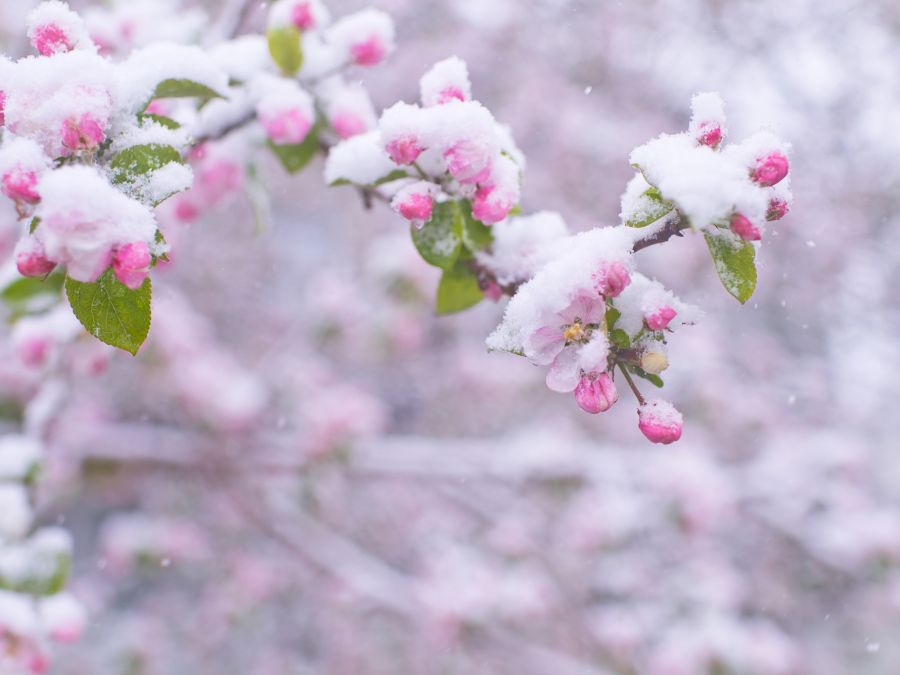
(85, 133)
(367, 36)
(30, 259)
(34, 350)
(743, 228)
(659, 318)
(286, 114)
(495, 199)
(468, 162)
(350, 111)
(611, 278)
(346, 125)
(308, 14)
(21, 186)
(770, 169)
(131, 263)
(596, 393)
(659, 421)
(778, 209)
(710, 134)
(448, 80)
(415, 202)
(404, 150)
(654, 360)
(53, 28)
(62, 617)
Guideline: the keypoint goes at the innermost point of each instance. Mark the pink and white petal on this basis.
(564, 372)
(584, 306)
(545, 343)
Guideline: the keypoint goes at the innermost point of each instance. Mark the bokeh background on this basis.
(306, 472)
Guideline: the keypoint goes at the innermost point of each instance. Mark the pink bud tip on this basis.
(659, 421)
(596, 394)
(660, 318)
(778, 209)
(34, 351)
(347, 125)
(416, 206)
(186, 211)
(83, 134)
(21, 186)
(404, 150)
(710, 134)
(370, 52)
(451, 94)
(33, 264)
(302, 16)
(770, 169)
(743, 228)
(132, 264)
(286, 128)
(467, 163)
(50, 39)
(490, 206)
(492, 290)
(611, 279)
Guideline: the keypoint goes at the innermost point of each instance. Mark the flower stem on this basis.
(631, 384)
(422, 174)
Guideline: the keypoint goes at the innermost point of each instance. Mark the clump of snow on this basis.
(360, 160)
(120, 26)
(44, 94)
(557, 283)
(447, 80)
(146, 68)
(523, 245)
(642, 297)
(348, 108)
(707, 109)
(243, 58)
(83, 217)
(365, 37)
(15, 510)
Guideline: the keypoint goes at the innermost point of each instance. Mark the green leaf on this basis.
(295, 157)
(396, 174)
(112, 312)
(620, 338)
(655, 380)
(130, 166)
(612, 315)
(476, 235)
(735, 263)
(167, 122)
(175, 88)
(651, 207)
(458, 290)
(439, 241)
(23, 290)
(286, 50)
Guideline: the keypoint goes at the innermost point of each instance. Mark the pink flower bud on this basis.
(659, 421)
(302, 16)
(404, 150)
(770, 169)
(778, 209)
(468, 162)
(157, 107)
(743, 228)
(50, 39)
(84, 134)
(415, 202)
(451, 94)
(348, 124)
(21, 186)
(596, 394)
(369, 52)
(34, 350)
(611, 279)
(710, 134)
(31, 262)
(660, 317)
(186, 211)
(492, 290)
(286, 127)
(491, 205)
(131, 263)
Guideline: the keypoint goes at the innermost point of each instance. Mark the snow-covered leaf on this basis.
(286, 49)
(133, 166)
(295, 157)
(175, 88)
(112, 312)
(650, 207)
(439, 241)
(735, 264)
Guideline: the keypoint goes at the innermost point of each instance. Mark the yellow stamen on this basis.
(573, 333)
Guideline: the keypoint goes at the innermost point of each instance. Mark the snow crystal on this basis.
(524, 244)
(554, 286)
(360, 159)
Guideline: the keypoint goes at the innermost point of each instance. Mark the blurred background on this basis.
(304, 471)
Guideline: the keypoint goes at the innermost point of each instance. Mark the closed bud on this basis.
(404, 150)
(31, 260)
(415, 202)
(778, 209)
(743, 228)
(21, 186)
(770, 169)
(709, 134)
(654, 360)
(596, 393)
(611, 278)
(659, 421)
(85, 133)
(131, 264)
(659, 318)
